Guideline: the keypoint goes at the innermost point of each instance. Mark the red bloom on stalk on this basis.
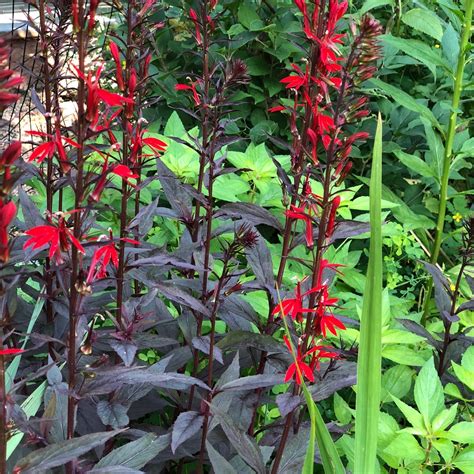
(12, 351)
(55, 144)
(103, 256)
(327, 321)
(7, 213)
(299, 368)
(294, 306)
(194, 19)
(332, 216)
(114, 50)
(186, 87)
(7, 158)
(96, 95)
(300, 214)
(59, 238)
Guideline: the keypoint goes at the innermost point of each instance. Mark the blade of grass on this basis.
(369, 359)
(318, 433)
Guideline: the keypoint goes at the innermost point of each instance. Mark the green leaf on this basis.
(403, 355)
(462, 432)
(247, 15)
(415, 164)
(413, 417)
(342, 410)
(465, 460)
(370, 346)
(445, 447)
(450, 44)
(420, 51)
(444, 419)
(428, 392)
(406, 100)
(371, 4)
(425, 21)
(405, 446)
(61, 453)
(396, 381)
(137, 453)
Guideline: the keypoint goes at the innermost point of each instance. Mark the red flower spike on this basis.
(114, 50)
(124, 172)
(300, 214)
(155, 144)
(12, 351)
(11, 154)
(332, 216)
(294, 306)
(7, 214)
(192, 87)
(194, 19)
(329, 322)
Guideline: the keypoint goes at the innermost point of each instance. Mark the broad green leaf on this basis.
(450, 44)
(465, 460)
(444, 419)
(247, 15)
(425, 21)
(371, 4)
(406, 100)
(403, 355)
(420, 51)
(428, 392)
(406, 446)
(396, 381)
(369, 358)
(415, 164)
(445, 448)
(462, 432)
(342, 410)
(413, 417)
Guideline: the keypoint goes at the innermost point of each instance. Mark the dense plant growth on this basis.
(215, 258)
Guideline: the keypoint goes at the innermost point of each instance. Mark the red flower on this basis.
(186, 87)
(96, 95)
(11, 351)
(102, 257)
(54, 144)
(299, 368)
(329, 322)
(7, 158)
(58, 237)
(194, 19)
(7, 213)
(294, 306)
(299, 213)
(332, 216)
(118, 65)
(124, 172)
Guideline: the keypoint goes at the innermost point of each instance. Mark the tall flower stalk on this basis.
(325, 104)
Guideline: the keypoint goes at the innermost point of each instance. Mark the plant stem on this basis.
(448, 148)
(74, 295)
(3, 419)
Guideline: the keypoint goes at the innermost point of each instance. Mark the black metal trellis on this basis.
(15, 28)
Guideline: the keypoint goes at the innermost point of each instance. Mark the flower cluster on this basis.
(9, 80)
(325, 101)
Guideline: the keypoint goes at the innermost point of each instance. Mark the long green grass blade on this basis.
(369, 360)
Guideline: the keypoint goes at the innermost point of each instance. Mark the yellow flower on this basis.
(452, 287)
(457, 217)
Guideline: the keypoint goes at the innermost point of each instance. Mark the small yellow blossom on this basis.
(457, 217)
(452, 286)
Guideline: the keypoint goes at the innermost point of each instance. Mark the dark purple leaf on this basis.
(244, 340)
(253, 381)
(219, 463)
(112, 414)
(136, 454)
(181, 297)
(255, 215)
(441, 284)
(347, 229)
(260, 259)
(186, 426)
(126, 350)
(144, 219)
(345, 375)
(466, 306)
(245, 446)
(287, 403)
(61, 453)
(203, 344)
(416, 328)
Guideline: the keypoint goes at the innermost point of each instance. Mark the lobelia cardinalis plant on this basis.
(326, 106)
